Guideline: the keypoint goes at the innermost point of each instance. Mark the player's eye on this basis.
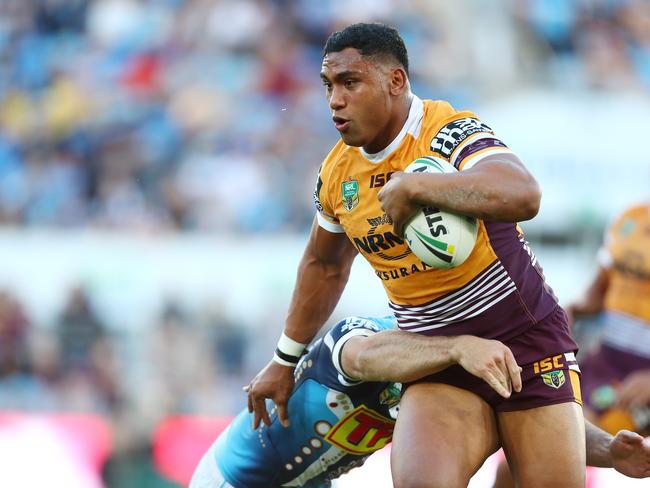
(350, 83)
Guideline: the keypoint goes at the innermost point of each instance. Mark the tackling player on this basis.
(343, 409)
(616, 385)
(363, 199)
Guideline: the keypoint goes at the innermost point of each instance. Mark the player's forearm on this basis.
(598, 442)
(498, 190)
(318, 289)
(593, 299)
(400, 356)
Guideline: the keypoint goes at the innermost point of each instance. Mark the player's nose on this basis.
(337, 100)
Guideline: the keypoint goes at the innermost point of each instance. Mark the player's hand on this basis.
(630, 454)
(634, 391)
(275, 381)
(397, 201)
(491, 361)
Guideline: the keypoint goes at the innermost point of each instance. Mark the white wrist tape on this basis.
(288, 351)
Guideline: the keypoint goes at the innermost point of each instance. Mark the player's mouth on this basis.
(340, 123)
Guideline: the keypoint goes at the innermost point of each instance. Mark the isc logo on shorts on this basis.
(361, 431)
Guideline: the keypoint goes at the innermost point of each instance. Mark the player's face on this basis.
(358, 92)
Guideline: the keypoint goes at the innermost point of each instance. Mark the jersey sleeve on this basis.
(324, 209)
(343, 332)
(464, 140)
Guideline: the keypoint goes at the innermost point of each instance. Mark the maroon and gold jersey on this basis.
(626, 255)
(497, 292)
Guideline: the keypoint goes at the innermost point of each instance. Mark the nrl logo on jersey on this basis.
(350, 191)
(554, 379)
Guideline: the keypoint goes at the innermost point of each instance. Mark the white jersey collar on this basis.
(411, 126)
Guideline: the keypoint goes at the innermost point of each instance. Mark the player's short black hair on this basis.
(371, 40)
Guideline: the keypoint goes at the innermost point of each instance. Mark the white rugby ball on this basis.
(440, 239)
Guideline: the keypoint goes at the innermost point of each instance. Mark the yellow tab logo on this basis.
(554, 379)
(361, 431)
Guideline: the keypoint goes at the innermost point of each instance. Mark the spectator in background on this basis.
(128, 114)
(87, 353)
(79, 330)
(616, 377)
(14, 328)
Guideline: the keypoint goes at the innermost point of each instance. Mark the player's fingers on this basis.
(514, 371)
(250, 404)
(259, 407)
(283, 412)
(496, 383)
(629, 437)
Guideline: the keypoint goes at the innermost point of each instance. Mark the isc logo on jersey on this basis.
(440, 239)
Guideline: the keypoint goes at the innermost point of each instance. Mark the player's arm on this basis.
(322, 275)
(498, 188)
(592, 299)
(403, 356)
(627, 452)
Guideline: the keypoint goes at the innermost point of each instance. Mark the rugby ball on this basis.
(440, 239)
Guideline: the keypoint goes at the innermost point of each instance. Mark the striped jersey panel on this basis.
(488, 288)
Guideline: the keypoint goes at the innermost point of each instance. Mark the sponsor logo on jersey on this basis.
(350, 190)
(362, 431)
(377, 221)
(403, 272)
(378, 242)
(554, 379)
(357, 323)
(319, 185)
(454, 133)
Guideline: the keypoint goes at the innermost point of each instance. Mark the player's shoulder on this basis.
(638, 210)
(339, 151)
(440, 113)
(357, 325)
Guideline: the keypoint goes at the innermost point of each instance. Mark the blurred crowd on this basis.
(164, 115)
(182, 364)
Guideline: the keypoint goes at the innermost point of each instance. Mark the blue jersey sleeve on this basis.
(342, 332)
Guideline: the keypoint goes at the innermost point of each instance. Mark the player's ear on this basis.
(398, 81)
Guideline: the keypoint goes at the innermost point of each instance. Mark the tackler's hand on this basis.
(275, 381)
(397, 200)
(630, 454)
(490, 360)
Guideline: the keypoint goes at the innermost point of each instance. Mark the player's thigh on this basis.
(207, 474)
(442, 436)
(545, 446)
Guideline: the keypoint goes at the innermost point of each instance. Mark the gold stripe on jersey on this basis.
(469, 141)
(478, 156)
(409, 282)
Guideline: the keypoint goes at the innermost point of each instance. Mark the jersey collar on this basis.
(411, 126)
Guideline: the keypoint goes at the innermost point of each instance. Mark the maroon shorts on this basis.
(550, 375)
(603, 370)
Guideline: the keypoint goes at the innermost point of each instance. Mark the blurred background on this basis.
(157, 159)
